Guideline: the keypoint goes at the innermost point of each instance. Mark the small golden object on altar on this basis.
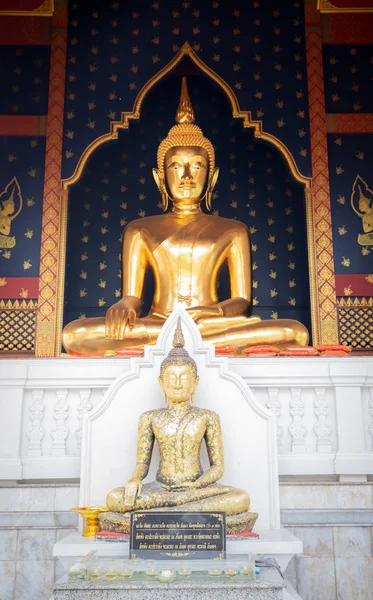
(90, 514)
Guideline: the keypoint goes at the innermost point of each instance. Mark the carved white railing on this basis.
(323, 408)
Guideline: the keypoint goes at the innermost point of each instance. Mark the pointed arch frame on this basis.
(248, 123)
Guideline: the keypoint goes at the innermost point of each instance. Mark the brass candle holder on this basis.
(90, 514)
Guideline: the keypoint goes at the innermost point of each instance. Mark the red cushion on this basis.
(333, 347)
(309, 349)
(130, 352)
(225, 350)
(313, 352)
(334, 353)
(261, 349)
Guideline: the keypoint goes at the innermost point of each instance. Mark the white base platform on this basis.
(280, 544)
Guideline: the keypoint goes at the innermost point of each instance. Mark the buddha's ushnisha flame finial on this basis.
(185, 112)
(178, 355)
(178, 341)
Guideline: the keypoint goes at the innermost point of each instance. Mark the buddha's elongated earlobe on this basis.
(164, 398)
(161, 187)
(192, 398)
(164, 201)
(208, 200)
(210, 188)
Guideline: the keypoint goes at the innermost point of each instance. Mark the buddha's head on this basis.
(186, 161)
(178, 378)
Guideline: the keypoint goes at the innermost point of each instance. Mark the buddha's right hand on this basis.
(120, 316)
(132, 490)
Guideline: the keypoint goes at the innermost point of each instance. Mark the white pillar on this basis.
(12, 382)
(352, 462)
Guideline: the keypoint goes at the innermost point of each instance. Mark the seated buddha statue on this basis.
(179, 429)
(186, 249)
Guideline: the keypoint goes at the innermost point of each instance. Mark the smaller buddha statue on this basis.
(179, 428)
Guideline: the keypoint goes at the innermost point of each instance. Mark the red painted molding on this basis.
(349, 123)
(23, 125)
(15, 288)
(354, 285)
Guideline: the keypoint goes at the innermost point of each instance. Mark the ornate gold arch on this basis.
(245, 115)
(237, 113)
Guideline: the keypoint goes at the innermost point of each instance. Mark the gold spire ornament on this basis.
(185, 112)
(178, 341)
(178, 355)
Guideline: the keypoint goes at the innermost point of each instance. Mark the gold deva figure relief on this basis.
(8, 212)
(362, 196)
(179, 429)
(186, 249)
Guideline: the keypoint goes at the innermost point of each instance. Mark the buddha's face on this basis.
(186, 173)
(178, 383)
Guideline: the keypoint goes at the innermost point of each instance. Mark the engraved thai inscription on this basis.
(166, 535)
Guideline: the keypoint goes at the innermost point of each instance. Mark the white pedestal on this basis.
(249, 438)
(279, 544)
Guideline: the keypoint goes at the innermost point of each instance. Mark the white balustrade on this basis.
(36, 431)
(297, 428)
(84, 407)
(323, 408)
(274, 405)
(60, 432)
(322, 428)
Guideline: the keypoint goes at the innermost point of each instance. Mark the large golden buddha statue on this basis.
(179, 429)
(186, 249)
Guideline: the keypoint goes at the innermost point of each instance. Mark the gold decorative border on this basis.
(327, 7)
(49, 292)
(45, 9)
(237, 113)
(353, 302)
(321, 241)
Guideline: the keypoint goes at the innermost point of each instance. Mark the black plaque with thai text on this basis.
(167, 535)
